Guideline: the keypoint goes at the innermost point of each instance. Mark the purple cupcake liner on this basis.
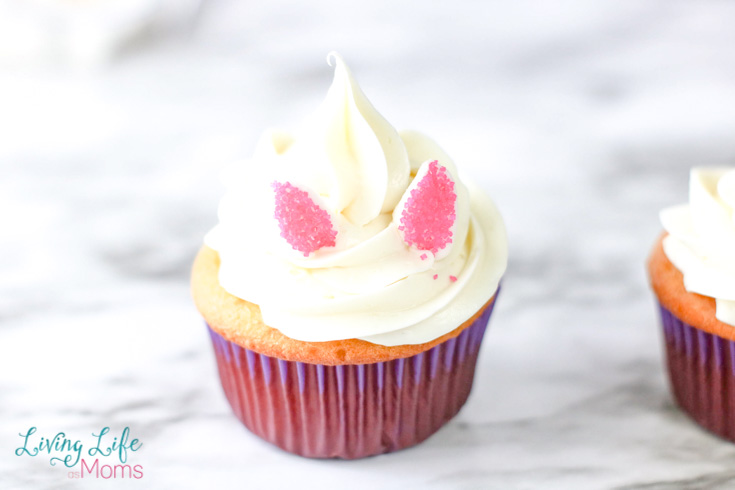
(702, 374)
(355, 410)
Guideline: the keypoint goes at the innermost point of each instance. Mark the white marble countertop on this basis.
(581, 119)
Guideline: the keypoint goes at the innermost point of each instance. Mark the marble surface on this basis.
(581, 119)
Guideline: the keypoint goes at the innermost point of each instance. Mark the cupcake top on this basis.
(348, 229)
(701, 240)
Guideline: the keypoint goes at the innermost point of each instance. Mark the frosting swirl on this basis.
(701, 240)
(352, 167)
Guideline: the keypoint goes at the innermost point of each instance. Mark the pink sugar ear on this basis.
(429, 212)
(304, 225)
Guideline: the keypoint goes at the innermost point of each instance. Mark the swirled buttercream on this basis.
(701, 239)
(347, 165)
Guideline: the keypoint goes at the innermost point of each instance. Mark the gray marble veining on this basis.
(580, 119)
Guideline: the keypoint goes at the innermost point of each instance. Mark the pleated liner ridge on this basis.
(702, 374)
(350, 411)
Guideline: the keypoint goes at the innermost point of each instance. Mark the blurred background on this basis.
(580, 119)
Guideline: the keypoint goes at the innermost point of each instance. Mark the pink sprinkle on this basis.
(436, 276)
(304, 225)
(453, 278)
(424, 256)
(429, 212)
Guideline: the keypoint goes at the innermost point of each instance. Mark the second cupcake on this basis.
(692, 271)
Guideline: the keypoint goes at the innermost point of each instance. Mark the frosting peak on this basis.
(350, 229)
(347, 152)
(701, 240)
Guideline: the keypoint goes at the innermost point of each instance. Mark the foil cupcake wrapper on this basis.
(702, 374)
(349, 411)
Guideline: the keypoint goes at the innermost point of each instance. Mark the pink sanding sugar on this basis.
(304, 225)
(429, 212)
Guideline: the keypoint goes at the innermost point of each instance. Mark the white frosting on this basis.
(701, 240)
(370, 285)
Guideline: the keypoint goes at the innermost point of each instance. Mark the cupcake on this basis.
(692, 271)
(348, 283)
